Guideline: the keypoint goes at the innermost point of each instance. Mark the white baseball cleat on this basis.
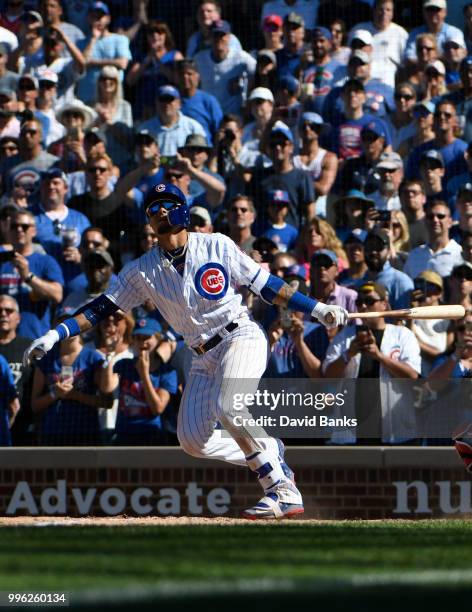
(284, 500)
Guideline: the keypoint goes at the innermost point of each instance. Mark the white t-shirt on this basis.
(388, 48)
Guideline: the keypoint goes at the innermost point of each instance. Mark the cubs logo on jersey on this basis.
(211, 281)
(160, 187)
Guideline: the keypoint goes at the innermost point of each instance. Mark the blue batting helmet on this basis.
(166, 192)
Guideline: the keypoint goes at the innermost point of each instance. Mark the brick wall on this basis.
(337, 483)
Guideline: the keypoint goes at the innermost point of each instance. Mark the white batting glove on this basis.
(330, 316)
(40, 347)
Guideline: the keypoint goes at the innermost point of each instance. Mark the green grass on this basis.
(329, 559)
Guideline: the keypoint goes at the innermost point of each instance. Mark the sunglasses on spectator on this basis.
(322, 262)
(197, 221)
(46, 85)
(174, 175)
(443, 114)
(99, 169)
(234, 209)
(28, 132)
(8, 311)
(461, 328)
(403, 96)
(367, 300)
(463, 275)
(73, 114)
(22, 226)
(439, 216)
(412, 192)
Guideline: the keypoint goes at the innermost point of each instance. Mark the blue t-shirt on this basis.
(284, 237)
(49, 234)
(8, 392)
(65, 418)
(284, 361)
(288, 63)
(346, 136)
(35, 313)
(379, 101)
(322, 78)
(453, 156)
(204, 108)
(134, 414)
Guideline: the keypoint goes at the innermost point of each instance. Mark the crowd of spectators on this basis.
(335, 150)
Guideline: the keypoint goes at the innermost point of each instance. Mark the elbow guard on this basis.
(98, 309)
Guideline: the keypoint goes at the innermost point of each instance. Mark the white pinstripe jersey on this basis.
(202, 301)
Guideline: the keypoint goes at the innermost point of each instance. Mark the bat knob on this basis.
(329, 318)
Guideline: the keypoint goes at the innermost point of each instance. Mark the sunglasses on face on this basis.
(463, 276)
(95, 169)
(236, 210)
(166, 99)
(367, 300)
(28, 132)
(174, 176)
(425, 48)
(432, 216)
(403, 96)
(23, 226)
(322, 263)
(197, 221)
(439, 114)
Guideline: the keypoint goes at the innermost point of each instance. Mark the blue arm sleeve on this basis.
(298, 301)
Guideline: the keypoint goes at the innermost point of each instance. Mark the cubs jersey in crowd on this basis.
(201, 301)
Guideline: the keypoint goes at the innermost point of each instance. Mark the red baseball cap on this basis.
(272, 21)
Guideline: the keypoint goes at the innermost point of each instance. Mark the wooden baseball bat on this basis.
(446, 311)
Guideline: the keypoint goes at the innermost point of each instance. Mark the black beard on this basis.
(375, 266)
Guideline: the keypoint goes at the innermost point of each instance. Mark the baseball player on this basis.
(192, 279)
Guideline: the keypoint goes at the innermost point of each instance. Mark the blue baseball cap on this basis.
(97, 7)
(168, 91)
(147, 327)
(295, 270)
(377, 127)
(278, 196)
(322, 254)
(220, 26)
(312, 118)
(423, 105)
(321, 32)
(281, 128)
(290, 83)
(53, 173)
(357, 235)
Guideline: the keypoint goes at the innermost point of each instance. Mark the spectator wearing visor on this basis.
(170, 127)
(225, 72)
